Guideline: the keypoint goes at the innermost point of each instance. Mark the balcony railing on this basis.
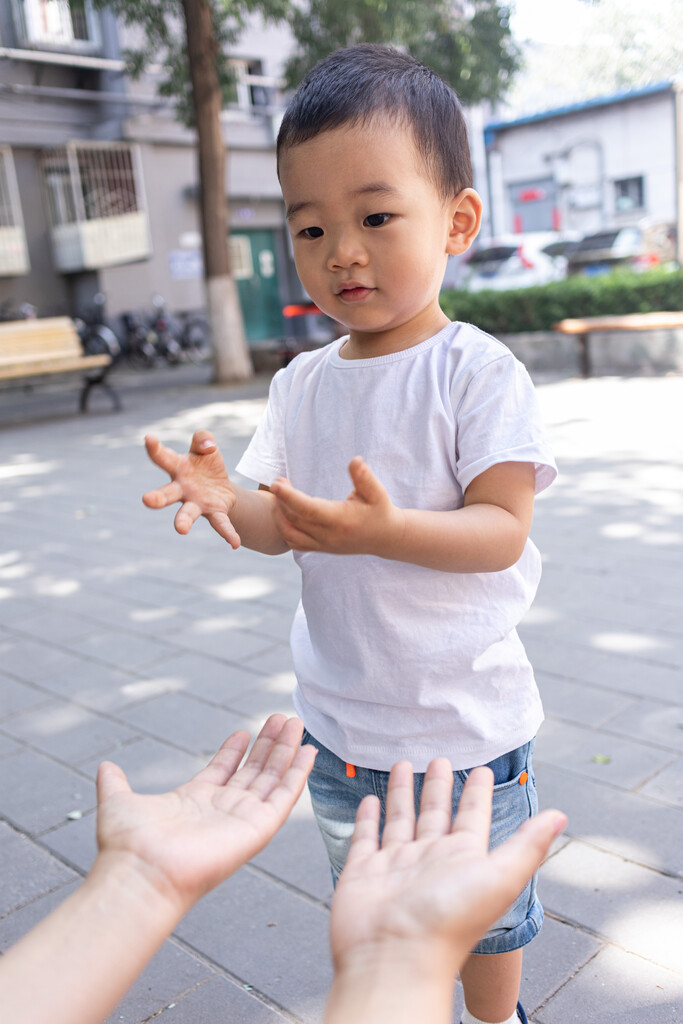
(95, 201)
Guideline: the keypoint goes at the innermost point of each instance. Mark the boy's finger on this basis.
(186, 516)
(436, 803)
(162, 497)
(400, 813)
(203, 442)
(365, 483)
(474, 809)
(224, 528)
(164, 458)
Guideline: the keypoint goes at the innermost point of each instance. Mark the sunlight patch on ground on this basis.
(243, 588)
(17, 470)
(625, 643)
(49, 586)
(144, 688)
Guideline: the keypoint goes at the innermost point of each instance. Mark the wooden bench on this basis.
(47, 346)
(582, 329)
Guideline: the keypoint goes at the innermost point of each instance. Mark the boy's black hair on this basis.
(355, 85)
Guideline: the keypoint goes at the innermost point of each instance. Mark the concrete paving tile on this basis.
(170, 975)
(235, 645)
(56, 626)
(267, 937)
(16, 697)
(152, 766)
(186, 722)
(220, 999)
(103, 688)
(650, 722)
(628, 824)
(581, 750)
(33, 662)
(667, 785)
(275, 661)
(262, 701)
(28, 871)
(617, 988)
(628, 675)
(211, 679)
(39, 793)
(120, 649)
(555, 955)
(8, 746)
(68, 732)
(577, 702)
(74, 842)
(634, 907)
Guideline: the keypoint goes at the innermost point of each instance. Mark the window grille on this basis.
(13, 251)
(57, 24)
(95, 204)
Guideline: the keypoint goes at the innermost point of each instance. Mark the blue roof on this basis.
(493, 127)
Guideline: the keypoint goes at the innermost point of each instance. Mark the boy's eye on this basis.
(376, 220)
(312, 232)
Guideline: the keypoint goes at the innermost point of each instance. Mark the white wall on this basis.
(601, 145)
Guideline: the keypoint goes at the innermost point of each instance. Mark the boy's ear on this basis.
(464, 217)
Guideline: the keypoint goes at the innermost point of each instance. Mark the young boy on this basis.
(407, 646)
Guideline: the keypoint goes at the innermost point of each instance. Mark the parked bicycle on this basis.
(97, 337)
(140, 341)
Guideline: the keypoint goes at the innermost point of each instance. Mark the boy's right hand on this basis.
(199, 480)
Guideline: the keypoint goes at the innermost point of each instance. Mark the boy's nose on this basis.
(346, 250)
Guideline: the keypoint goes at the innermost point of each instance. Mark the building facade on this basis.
(98, 179)
(603, 163)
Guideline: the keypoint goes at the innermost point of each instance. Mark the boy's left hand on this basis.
(366, 523)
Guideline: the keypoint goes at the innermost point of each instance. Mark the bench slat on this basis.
(628, 322)
(39, 367)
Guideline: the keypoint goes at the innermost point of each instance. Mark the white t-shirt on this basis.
(394, 660)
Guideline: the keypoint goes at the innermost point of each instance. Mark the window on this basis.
(57, 24)
(89, 182)
(250, 89)
(241, 262)
(13, 253)
(629, 194)
(95, 203)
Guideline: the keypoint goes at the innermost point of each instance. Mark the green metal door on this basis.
(252, 255)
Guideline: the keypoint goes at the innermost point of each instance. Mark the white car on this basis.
(517, 261)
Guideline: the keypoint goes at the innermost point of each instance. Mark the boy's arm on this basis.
(486, 535)
(199, 480)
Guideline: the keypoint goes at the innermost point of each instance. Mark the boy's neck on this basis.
(370, 345)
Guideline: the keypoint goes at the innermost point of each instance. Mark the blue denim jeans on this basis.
(335, 798)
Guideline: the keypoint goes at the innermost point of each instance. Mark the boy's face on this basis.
(371, 233)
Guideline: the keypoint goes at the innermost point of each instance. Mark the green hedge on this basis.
(537, 309)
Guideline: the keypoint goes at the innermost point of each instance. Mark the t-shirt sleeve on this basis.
(498, 420)
(265, 458)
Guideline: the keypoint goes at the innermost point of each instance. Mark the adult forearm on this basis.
(477, 538)
(76, 965)
(393, 985)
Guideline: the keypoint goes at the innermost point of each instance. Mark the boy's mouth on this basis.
(353, 292)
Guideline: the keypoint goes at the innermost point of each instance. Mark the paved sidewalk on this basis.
(120, 639)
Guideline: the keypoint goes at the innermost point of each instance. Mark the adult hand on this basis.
(367, 522)
(199, 480)
(188, 841)
(431, 886)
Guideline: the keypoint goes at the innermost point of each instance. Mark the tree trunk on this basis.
(230, 351)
